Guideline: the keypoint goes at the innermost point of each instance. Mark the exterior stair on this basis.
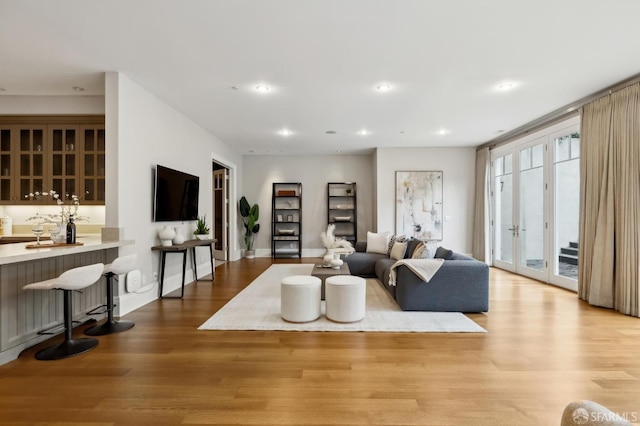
(569, 254)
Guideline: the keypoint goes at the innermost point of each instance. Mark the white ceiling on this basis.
(323, 60)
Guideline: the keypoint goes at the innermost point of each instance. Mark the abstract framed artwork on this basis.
(419, 204)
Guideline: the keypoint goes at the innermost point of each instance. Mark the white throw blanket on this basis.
(423, 268)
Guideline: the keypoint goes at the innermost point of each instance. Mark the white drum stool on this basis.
(345, 297)
(300, 298)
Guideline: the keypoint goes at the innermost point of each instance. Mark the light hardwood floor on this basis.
(544, 348)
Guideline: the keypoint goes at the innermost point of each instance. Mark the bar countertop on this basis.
(17, 252)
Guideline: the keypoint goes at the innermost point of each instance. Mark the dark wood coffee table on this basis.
(323, 273)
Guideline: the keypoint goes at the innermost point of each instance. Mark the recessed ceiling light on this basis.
(363, 132)
(500, 131)
(402, 131)
(339, 151)
(442, 132)
(331, 132)
(78, 88)
(285, 132)
(234, 87)
(383, 87)
(262, 88)
(505, 86)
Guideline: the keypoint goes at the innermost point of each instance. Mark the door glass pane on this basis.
(503, 198)
(567, 205)
(531, 203)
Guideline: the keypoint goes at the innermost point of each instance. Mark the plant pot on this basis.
(202, 236)
(250, 254)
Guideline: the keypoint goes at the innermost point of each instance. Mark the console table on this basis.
(182, 249)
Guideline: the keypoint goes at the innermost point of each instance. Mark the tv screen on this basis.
(176, 195)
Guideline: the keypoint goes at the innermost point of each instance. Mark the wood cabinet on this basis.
(286, 220)
(68, 158)
(342, 209)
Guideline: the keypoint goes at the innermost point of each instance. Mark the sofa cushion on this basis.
(363, 264)
(443, 253)
(377, 242)
(411, 247)
(394, 239)
(398, 251)
(382, 268)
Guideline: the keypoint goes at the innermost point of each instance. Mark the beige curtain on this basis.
(481, 230)
(609, 255)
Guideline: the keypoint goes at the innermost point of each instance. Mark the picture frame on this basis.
(289, 218)
(279, 218)
(419, 212)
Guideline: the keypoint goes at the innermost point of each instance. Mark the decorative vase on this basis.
(328, 257)
(179, 238)
(166, 234)
(250, 254)
(336, 263)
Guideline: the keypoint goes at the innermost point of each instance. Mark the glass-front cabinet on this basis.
(66, 158)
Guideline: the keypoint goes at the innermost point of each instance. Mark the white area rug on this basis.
(257, 307)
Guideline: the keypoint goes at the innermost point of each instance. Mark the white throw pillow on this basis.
(398, 250)
(430, 251)
(377, 243)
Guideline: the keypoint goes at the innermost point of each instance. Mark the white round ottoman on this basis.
(300, 298)
(345, 297)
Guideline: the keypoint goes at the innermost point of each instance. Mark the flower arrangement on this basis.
(67, 211)
(330, 241)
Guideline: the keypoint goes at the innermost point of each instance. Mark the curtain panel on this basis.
(609, 256)
(481, 230)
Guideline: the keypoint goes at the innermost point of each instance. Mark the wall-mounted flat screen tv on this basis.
(175, 195)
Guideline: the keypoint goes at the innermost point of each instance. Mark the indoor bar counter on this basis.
(24, 315)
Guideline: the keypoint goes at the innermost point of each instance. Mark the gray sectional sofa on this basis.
(460, 285)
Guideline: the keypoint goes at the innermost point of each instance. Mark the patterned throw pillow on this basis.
(397, 252)
(425, 250)
(430, 252)
(418, 251)
(393, 240)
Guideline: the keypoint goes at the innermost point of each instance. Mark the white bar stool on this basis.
(68, 281)
(119, 266)
(300, 298)
(345, 297)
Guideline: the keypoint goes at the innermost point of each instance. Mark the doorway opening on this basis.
(220, 212)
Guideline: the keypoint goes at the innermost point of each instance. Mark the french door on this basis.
(535, 206)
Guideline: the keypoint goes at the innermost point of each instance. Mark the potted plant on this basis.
(250, 216)
(202, 230)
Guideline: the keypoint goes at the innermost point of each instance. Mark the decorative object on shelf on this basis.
(419, 204)
(335, 246)
(179, 238)
(348, 191)
(250, 215)
(286, 220)
(6, 226)
(202, 230)
(167, 234)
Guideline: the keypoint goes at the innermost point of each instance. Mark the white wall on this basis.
(314, 172)
(458, 167)
(143, 131)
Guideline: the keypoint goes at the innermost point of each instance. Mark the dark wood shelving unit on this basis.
(342, 209)
(286, 220)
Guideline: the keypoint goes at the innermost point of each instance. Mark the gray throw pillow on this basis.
(443, 253)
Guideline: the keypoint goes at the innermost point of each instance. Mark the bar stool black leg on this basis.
(110, 326)
(70, 346)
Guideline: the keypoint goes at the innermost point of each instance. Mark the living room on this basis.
(144, 130)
